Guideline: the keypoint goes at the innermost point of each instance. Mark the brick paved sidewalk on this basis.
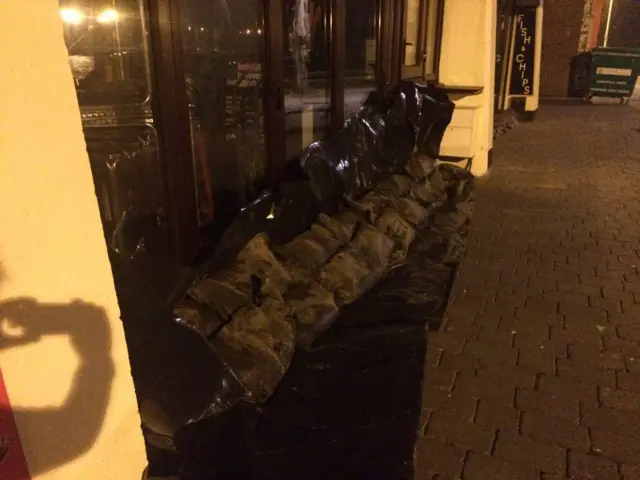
(536, 373)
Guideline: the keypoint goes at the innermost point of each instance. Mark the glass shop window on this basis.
(224, 45)
(361, 53)
(109, 61)
(307, 94)
(421, 37)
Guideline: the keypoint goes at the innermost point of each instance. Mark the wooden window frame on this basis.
(170, 101)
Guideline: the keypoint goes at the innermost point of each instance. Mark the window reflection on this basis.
(307, 24)
(107, 51)
(224, 65)
(412, 31)
(361, 34)
(108, 57)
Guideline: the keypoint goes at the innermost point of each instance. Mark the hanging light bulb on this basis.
(71, 16)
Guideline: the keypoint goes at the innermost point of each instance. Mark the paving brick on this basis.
(630, 332)
(538, 455)
(446, 341)
(450, 429)
(580, 288)
(633, 364)
(622, 422)
(615, 446)
(507, 376)
(555, 431)
(584, 466)
(526, 330)
(449, 403)
(585, 373)
(620, 400)
(500, 338)
(433, 357)
(488, 354)
(532, 315)
(607, 304)
(601, 282)
(629, 381)
(497, 417)
(630, 472)
(582, 318)
(620, 318)
(632, 309)
(482, 467)
(622, 346)
(463, 329)
(617, 294)
(473, 386)
(590, 337)
(458, 362)
(607, 359)
(437, 458)
(440, 379)
(558, 406)
(540, 355)
(583, 392)
(541, 306)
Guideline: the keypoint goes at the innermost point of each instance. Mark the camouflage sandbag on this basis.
(223, 298)
(257, 260)
(395, 186)
(410, 210)
(313, 308)
(198, 317)
(347, 275)
(342, 224)
(425, 194)
(399, 230)
(310, 249)
(255, 274)
(419, 167)
(370, 205)
(257, 345)
(372, 244)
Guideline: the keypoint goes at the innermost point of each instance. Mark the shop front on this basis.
(190, 109)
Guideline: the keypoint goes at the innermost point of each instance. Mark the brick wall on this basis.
(560, 36)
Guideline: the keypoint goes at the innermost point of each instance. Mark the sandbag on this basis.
(347, 275)
(410, 210)
(257, 346)
(310, 249)
(398, 229)
(373, 245)
(313, 308)
(342, 224)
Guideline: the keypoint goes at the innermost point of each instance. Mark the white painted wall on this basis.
(467, 58)
(67, 371)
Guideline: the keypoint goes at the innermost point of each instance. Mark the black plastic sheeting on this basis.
(217, 404)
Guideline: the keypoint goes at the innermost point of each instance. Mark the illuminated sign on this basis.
(524, 46)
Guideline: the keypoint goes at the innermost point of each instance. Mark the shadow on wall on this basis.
(70, 429)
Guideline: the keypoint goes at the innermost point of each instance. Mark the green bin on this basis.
(613, 72)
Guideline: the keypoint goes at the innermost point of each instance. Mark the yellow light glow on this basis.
(109, 15)
(72, 16)
(248, 32)
(259, 32)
